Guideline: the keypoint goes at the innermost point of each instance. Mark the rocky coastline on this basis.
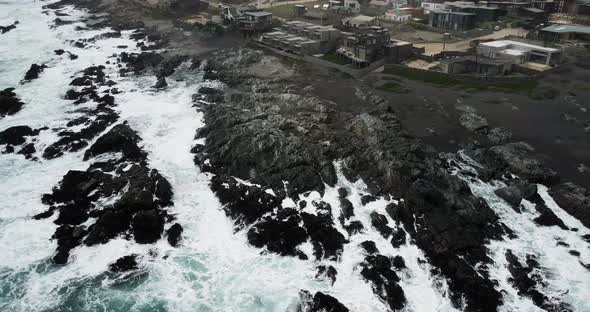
(270, 138)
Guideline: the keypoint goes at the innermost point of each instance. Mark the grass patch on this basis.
(394, 87)
(334, 58)
(442, 80)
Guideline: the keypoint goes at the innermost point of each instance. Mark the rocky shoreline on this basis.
(270, 138)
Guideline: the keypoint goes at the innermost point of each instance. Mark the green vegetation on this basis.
(443, 80)
(418, 26)
(394, 87)
(335, 58)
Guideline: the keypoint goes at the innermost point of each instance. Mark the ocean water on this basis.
(214, 269)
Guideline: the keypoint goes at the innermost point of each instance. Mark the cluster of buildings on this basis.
(361, 47)
(247, 18)
(358, 40)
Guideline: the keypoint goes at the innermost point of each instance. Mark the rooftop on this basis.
(510, 43)
(361, 18)
(568, 29)
(534, 10)
(258, 14)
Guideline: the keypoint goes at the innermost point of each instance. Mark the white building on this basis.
(431, 6)
(519, 52)
(353, 5)
(398, 16)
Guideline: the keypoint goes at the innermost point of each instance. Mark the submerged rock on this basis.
(320, 302)
(123, 264)
(34, 71)
(9, 103)
(174, 234)
(328, 272)
(161, 83)
(5, 29)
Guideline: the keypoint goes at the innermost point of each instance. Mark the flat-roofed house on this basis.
(255, 21)
(360, 21)
(519, 52)
(561, 33)
(302, 38)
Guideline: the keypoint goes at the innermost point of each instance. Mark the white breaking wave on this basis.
(567, 280)
(214, 269)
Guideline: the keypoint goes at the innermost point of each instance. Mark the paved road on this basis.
(463, 45)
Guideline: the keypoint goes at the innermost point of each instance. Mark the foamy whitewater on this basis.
(214, 268)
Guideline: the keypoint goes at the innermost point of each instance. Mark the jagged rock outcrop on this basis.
(320, 302)
(9, 103)
(138, 212)
(290, 146)
(34, 71)
(574, 199)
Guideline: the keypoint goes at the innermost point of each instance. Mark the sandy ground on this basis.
(463, 45)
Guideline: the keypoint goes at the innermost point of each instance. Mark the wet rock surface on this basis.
(10, 104)
(526, 279)
(574, 199)
(378, 271)
(140, 196)
(7, 28)
(124, 264)
(289, 146)
(319, 302)
(92, 121)
(34, 72)
(22, 137)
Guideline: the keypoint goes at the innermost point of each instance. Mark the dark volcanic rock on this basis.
(574, 199)
(546, 216)
(161, 83)
(457, 224)
(320, 303)
(473, 122)
(510, 194)
(290, 143)
(137, 213)
(527, 282)
(16, 135)
(5, 29)
(380, 222)
(34, 71)
(168, 67)
(326, 272)
(9, 103)
(147, 226)
(123, 264)
(141, 61)
(121, 138)
(377, 270)
(280, 233)
(515, 158)
(398, 238)
(174, 234)
(369, 247)
(326, 240)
